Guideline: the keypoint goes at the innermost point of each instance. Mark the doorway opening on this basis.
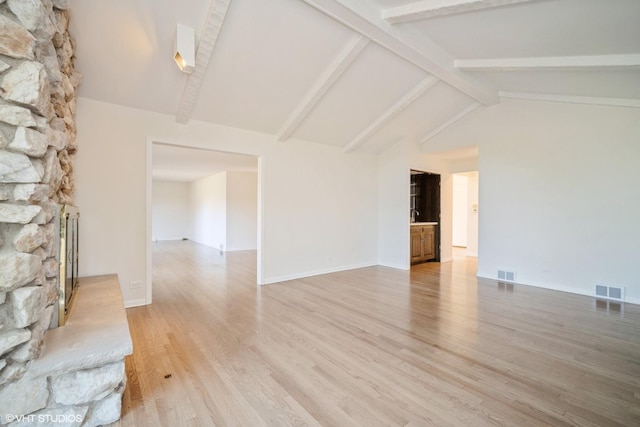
(208, 202)
(424, 217)
(465, 215)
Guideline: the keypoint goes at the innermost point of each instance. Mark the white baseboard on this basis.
(570, 290)
(448, 259)
(396, 266)
(567, 289)
(472, 254)
(135, 303)
(278, 279)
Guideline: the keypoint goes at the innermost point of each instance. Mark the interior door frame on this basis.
(438, 227)
(148, 208)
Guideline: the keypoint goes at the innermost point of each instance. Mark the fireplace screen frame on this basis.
(68, 260)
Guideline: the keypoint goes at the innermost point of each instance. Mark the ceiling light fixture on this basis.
(184, 49)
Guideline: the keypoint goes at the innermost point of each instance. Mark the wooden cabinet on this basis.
(423, 243)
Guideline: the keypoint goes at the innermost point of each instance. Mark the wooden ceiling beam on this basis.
(399, 106)
(322, 85)
(215, 18)
(549, 62)
(426, 9)
(449, 122)
(570, 99)
(364, 19)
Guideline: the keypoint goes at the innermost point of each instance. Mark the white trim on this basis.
(588, 100)
(567, 289)
(260, 237)
(149, 178)
(364, 18)
(557, 62)
(410, 97)
(135, 303)
(631, 300)
(215, 18)
(429, 8)
(472, 254)
(396, 266)
(339, 65)
(570, 290)
(450, 122)
(448, 259)
(295, 276)
(148, 284)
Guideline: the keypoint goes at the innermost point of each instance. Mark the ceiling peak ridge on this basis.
(215, 19)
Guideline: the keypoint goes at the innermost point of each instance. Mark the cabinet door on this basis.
(428, 242)
(416, 244)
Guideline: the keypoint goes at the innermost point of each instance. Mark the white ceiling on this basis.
(336, 72)
(172, 163)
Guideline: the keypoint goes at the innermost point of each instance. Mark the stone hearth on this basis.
(79, 377)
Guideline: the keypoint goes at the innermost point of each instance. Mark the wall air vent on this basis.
(506, 275)
(610, 292)
(602, 291)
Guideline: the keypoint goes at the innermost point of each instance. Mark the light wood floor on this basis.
(373, 347)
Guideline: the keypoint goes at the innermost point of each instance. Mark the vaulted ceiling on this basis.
(356, 74)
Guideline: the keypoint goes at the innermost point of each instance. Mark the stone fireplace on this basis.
(37, 147)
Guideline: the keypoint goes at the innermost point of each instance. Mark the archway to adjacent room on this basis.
(202, 202)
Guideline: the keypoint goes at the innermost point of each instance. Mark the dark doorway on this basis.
(425, 206)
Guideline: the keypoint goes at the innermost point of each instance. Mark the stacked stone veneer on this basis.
(37, 145)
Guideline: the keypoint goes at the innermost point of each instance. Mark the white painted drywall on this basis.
(393, 207)
(460, 209)
(559, 194)
(208, 202)
(170, 210)
(319, 205)
(242, 211)
(463, 165)
(321, 210)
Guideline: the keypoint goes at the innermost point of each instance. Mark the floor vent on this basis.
(507, 276)
(610, 292)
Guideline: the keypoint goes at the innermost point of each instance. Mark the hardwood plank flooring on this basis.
(434, 346)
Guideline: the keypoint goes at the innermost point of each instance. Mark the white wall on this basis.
(208, 209)
(559, 194)
(170, 210)
(460, 209)
(242, 211)
(393, 207)
(323, 206)
(224, 211)
(319, 205)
